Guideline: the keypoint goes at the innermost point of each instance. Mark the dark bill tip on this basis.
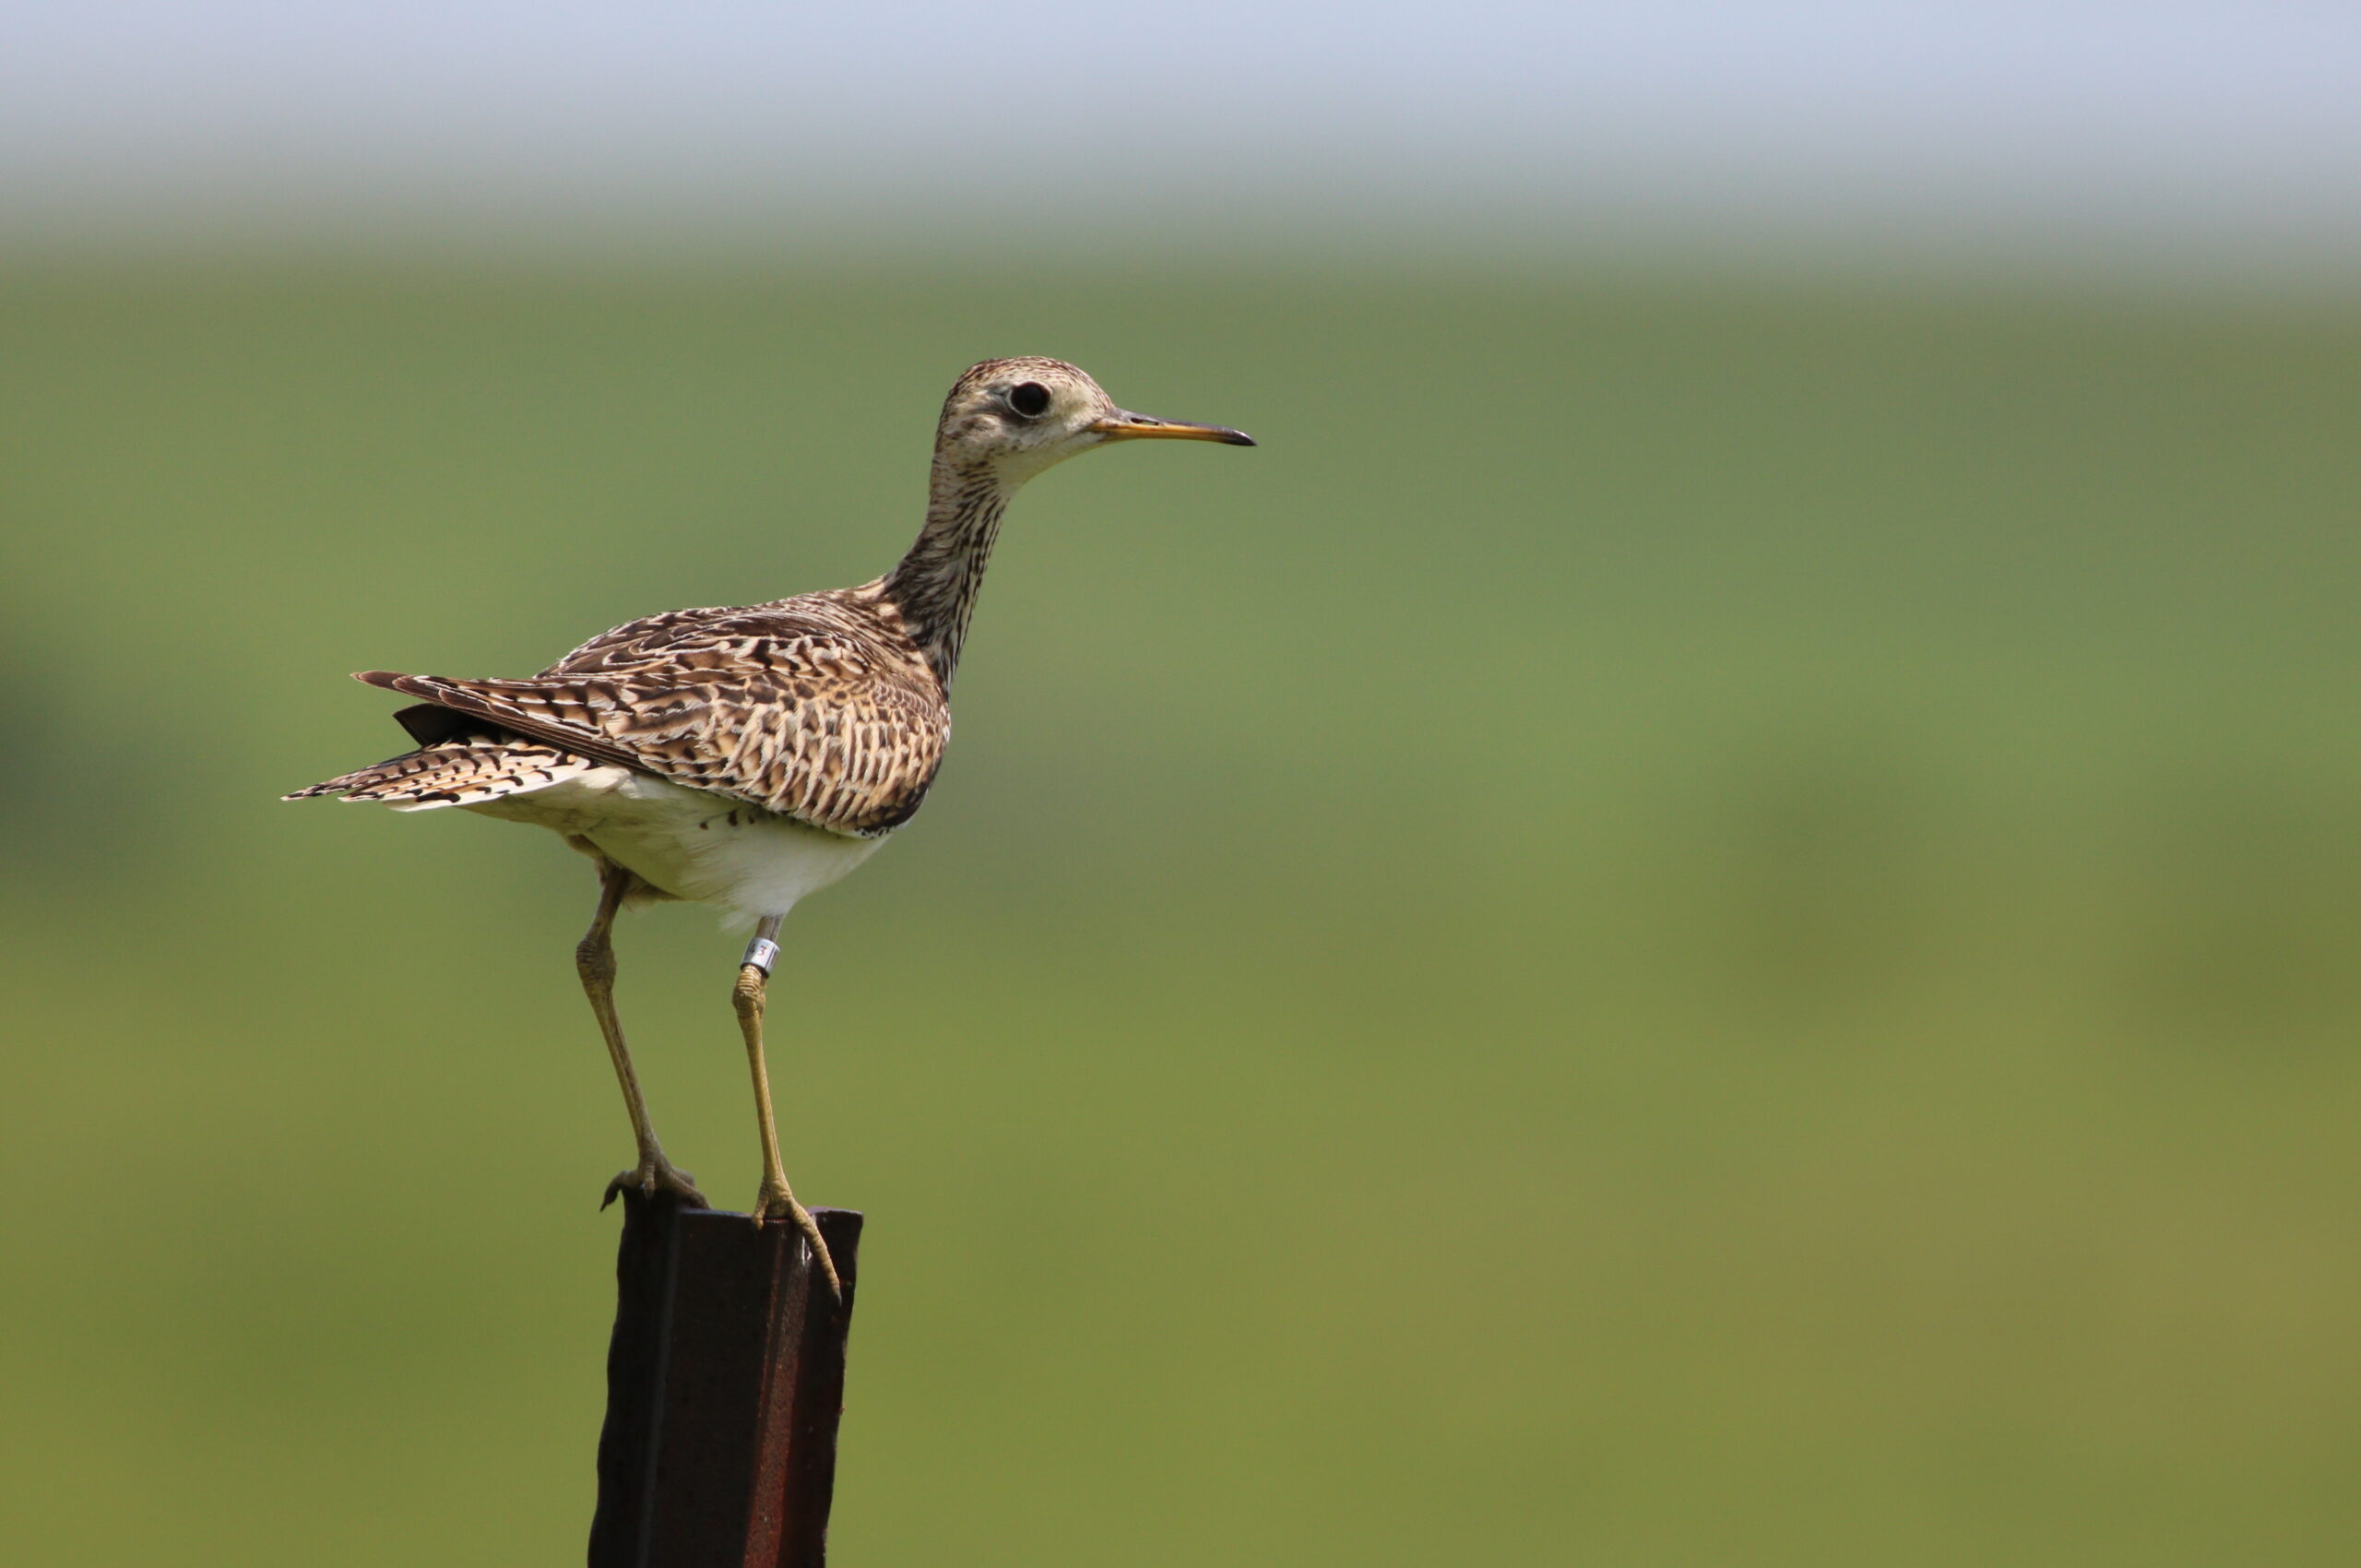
(1123, 425)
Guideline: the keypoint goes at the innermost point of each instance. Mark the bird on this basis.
(748, 756)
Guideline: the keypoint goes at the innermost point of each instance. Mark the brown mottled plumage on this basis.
(820, 707)
(747, 756)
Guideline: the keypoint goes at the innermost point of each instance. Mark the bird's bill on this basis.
(1124, 425)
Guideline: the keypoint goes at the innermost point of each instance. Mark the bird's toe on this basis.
(650, 1177)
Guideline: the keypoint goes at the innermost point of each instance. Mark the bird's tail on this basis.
(454, 773)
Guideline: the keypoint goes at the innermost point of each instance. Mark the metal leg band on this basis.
(761, 953)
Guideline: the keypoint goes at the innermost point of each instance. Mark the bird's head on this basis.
(1017, 417)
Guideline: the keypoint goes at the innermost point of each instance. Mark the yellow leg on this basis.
(777, 1201)
(594, 956)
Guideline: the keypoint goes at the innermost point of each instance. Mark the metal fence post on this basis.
(725, 1378)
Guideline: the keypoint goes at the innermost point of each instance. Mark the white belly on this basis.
(688, 843)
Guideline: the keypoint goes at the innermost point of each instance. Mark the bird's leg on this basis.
(776, 1200)
(594, 956)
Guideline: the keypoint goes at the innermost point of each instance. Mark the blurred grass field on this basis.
(1693, 921)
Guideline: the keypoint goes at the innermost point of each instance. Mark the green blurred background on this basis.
(1705, 917)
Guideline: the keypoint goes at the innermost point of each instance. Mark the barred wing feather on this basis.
(820, 710)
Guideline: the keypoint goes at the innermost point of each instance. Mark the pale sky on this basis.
(2067, 123)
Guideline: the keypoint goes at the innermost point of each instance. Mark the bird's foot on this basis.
(774, 1201)
(656, 1174)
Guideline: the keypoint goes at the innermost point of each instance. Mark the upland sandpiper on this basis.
(749, 756)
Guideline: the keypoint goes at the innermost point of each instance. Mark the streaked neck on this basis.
(936, 585)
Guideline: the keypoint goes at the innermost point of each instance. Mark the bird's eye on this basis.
(1029, 399)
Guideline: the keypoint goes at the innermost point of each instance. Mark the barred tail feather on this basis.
(454, 773)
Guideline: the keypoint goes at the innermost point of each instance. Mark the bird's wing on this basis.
(808, 706)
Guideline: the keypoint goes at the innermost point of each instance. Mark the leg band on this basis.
(761, 953)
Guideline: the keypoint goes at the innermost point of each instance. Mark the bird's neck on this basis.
(935, 586)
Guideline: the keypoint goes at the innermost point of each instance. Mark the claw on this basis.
(777, 1203)
(657, 1175)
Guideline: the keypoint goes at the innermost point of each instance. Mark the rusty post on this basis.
(725, 1378)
